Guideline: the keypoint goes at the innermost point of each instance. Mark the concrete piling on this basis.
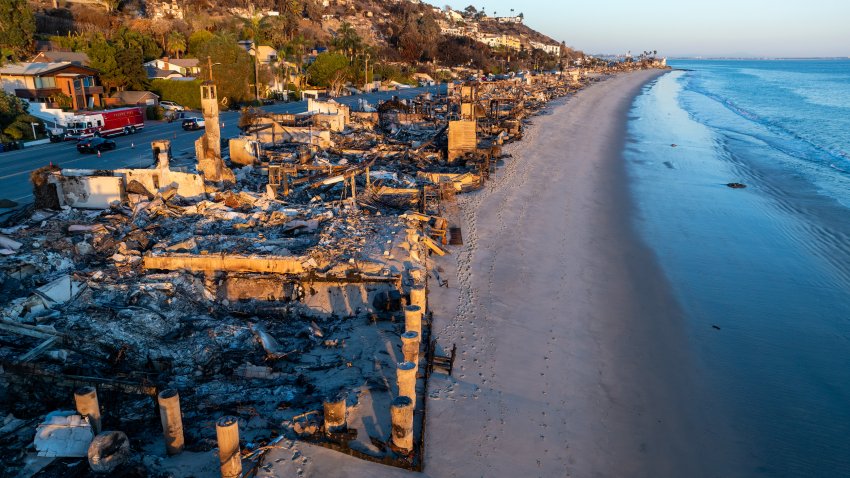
(410, 346)
(172, 420)
(334, 406)
(418, 297)
(401, 412)
(413, 319)
(227, 433)
(406, 378)
(85, 398)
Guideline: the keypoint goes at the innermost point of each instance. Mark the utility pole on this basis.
(209, 65)
(256, 73)
(366, 75)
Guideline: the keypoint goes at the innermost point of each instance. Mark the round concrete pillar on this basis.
(413, 319)
(410, 346)
(418, 297)
(85, 398)
(227, 433)
(334, 406)
(401, 412)
(172, 420)
(406, 378)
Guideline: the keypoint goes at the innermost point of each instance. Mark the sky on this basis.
(720, 28)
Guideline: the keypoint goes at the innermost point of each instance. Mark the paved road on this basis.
(134, 151)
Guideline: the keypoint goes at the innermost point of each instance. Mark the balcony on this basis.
(94, 90)
(36, 93)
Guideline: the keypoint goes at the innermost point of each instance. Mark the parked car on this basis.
(95, 144)
(171, 106)
(10, 146)
(191, 124)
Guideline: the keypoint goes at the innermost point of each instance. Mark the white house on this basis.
(452, 15)
(509, 19)
(185, 67)
(553, 49)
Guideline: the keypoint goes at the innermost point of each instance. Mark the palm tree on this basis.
(348, 40)
(254, 24)
(297, 47)
(176, 43)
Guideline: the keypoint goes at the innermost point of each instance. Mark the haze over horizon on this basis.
(723, 28)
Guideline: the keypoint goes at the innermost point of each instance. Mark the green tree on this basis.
(347, 41)
(272, 31)
(17, 27)
(252, 27)
(14, 119)
(119, 61)
(327, 68)
(131, 69)
(102, 58)
(176, 43)
(197, 40)
(234, 71)
(290, 13)
(296, 49)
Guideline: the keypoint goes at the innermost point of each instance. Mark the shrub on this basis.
(186, 93)
(154, 112)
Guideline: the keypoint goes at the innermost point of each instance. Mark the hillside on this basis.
(394, 30)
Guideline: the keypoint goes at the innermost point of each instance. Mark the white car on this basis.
(171, 106)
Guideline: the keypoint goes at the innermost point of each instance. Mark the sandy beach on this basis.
(572, 358)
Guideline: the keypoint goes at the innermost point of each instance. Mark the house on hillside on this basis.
(155, 73)
(496, 41)
(516, 19)
(449, 29)
(552, 49)
(55, 56)
(171, 68)
(267, 59)
(266, 55)
(53, 82)
(453, 15)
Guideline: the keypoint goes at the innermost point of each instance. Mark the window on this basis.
(99, 123)
(45, 82)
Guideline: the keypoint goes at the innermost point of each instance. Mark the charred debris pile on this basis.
(253, 286)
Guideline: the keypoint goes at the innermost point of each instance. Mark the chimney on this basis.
(165, 64)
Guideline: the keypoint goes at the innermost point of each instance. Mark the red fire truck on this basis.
(105, 123)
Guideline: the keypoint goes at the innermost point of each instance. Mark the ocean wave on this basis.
(799, 144)
(821, 89)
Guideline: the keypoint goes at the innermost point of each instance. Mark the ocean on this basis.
(762, 273)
